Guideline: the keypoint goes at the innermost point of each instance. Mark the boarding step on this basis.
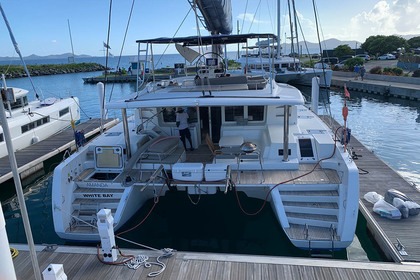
(318, 220)
(85, 210)
(86, 218)
(314, 208)
(309, 232)
(322, 208)
(308, 187)
(314, 196)
(95, 204)
(93, 193)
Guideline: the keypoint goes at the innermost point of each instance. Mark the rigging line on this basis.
(304, 39)
(253, 18)
(123, 43)
(107, 54)
(81, 109)
(320, 50)
(243, 18)
(307, 49)
(317, 27)
(319, 20)
(200, 45)
(15, 44)
(269, 14)
(296, 28)
(292, 46)
(51, 118)
(176, 32)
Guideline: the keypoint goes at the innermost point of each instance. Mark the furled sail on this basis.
(217, 15)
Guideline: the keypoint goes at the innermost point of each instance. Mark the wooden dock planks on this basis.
(34, 155)
(82, 263)
(380, 178)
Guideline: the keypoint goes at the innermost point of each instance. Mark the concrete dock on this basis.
(401, 87)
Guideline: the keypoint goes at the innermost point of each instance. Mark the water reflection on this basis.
(388, 126)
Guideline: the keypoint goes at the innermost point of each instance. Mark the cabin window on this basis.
(1, 137)
(169, 114)
(241, 113)
(255, 113)
(32, 125)
(233, 113)
(64, 111)
(20, 102)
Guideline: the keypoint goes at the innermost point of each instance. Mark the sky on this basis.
(41, 27)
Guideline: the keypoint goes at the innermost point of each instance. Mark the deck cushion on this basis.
(163, 144)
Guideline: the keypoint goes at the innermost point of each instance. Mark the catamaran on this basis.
(249, 134)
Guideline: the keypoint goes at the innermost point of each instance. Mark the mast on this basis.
(71, 42)
(296, 26)
(292, 46)
(18, 185)
(278, 53)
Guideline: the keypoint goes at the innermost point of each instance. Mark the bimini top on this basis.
(210, 40)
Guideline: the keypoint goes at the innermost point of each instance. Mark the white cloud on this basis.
(248, 17)
(386, 18)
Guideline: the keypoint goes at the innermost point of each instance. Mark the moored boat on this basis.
(269, 146)
(33, 121)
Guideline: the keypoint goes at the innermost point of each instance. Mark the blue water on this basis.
(389, 127)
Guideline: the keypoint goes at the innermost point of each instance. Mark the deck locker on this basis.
(215, 171)
(188, 171)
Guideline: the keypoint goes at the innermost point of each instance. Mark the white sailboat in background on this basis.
(287, 69)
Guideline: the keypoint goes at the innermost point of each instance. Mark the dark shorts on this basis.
(184, 133)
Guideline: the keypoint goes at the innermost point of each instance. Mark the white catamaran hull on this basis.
(270, 146)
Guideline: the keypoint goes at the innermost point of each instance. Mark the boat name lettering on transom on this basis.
(91, 195)
(97, 184)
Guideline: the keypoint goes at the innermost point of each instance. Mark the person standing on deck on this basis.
(182, 124)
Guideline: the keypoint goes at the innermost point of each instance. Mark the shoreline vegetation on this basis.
(18, 71)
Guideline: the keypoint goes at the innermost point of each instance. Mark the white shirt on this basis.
(182, 118)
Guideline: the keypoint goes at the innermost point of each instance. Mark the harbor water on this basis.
(389, 127)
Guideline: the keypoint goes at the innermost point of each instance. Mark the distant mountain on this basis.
(38, 57)
(313, 48)
(310, 47)
(408, 36)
